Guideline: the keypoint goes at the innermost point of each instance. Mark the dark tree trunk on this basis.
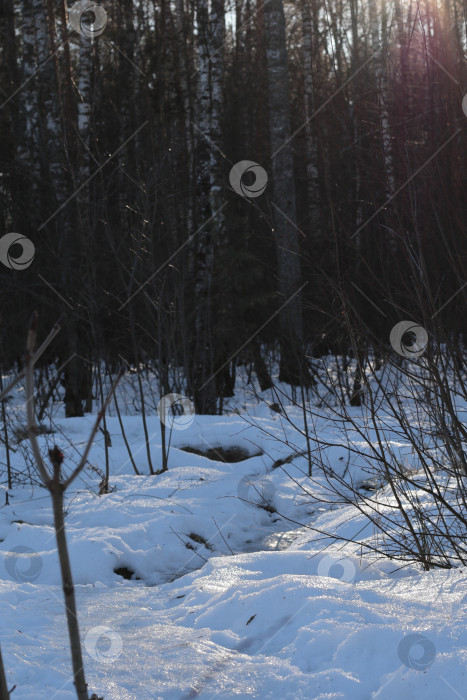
(292, 365)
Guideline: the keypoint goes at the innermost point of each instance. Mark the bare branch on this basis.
(100, 415)
(31, 423)
(55, 330)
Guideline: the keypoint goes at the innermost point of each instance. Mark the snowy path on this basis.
(311, 636)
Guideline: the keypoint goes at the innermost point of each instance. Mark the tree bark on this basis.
(211, 37)
(379, 47)
(4, 694)
(68, 592)
(311, 135)
(292, 366)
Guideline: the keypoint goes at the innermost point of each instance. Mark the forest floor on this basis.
(236, 589)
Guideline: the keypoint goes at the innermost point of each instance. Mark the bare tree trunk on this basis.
(13, 128)
(4, 694)
(261, 370)
(49, 134)
(311, 136)
(57, 491)
(211, 34)
(84, 109)
(379, 47)
(354, 120)
(27, 154)
(283, 187)
(185, 91)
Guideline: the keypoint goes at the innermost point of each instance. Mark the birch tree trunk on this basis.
(379, 48)
(209, 200)
(84, 104)
(28, 144)
(355, 397)
(182, 45)
(292, 368)
(355, 122)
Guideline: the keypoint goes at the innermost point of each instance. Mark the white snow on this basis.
(231, 600)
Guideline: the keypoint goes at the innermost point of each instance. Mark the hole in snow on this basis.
(222, 454)
(127, 573)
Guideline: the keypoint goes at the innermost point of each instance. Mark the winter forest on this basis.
(233, 360)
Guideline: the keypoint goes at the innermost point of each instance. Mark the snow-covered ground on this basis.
(228, 598)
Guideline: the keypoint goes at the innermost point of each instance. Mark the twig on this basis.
(55, 330)
(220, 533)
(100, 415)
(188, 545)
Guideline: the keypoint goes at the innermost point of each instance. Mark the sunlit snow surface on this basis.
(232, 600)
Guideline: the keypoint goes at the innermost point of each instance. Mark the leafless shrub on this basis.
(56, 484)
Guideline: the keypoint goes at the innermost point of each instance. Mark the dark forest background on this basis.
(116, 152)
